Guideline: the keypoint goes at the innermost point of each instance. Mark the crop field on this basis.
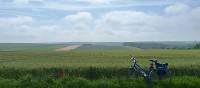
(91, 66)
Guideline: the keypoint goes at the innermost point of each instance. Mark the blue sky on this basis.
(99, 20)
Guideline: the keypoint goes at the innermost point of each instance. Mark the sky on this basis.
(36, 21)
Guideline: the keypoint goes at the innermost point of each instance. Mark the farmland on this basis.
(91, 66)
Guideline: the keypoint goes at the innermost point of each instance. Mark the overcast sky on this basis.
(99, 20)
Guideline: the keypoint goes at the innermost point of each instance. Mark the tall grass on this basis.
(89, 73)
(94, 68)
(72, 82)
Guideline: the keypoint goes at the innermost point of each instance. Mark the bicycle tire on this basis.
(133, 73)
(167, 76)
(155, 77)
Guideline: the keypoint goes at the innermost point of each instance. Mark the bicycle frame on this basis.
(154, 66)
(140, 70)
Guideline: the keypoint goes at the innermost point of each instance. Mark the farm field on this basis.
(91, 66)
(99, 44)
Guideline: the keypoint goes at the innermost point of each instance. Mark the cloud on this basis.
(177, 8)
(126, 20)
(178, 22)
(97, 1)
(24, 2)
(15, 21)
(85, 17)
(132, 25)
(16, 28)
(136, 26)
(21, 2)
(78, 5)
(80, 20)
(127, 25)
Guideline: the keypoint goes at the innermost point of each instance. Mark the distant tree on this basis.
(129, 44)
(197, 46)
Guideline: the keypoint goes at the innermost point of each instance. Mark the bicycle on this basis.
(157, 71)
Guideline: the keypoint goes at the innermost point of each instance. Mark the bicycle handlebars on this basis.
(133, 59)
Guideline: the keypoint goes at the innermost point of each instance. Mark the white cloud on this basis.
(80, 17)
(127, 25)
(126, 20)
(12, 22)
(81, 20)
(16, 28)
(116, 25)
(21, 2)
(140, 26)
(97, 1)
(177, 9)
(25, 2)
(82, 5)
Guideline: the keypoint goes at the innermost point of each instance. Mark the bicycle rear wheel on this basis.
(154, 76)
(167, 76)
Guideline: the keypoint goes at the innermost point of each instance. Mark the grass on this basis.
(97, 58)
(30, 47)
(93, 67)
(30, 82)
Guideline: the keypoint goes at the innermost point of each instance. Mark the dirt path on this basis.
(68, 48)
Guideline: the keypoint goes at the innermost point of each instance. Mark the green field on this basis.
(91, 66)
